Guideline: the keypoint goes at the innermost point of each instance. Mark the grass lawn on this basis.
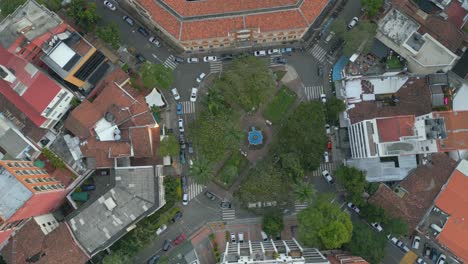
(231, 169)
(280, 104)
(279, 75)
(394, 63)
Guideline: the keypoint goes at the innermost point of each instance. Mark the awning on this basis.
(338, 68)
(154, 98)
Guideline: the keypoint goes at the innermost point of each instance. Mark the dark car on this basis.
(427, 251)
(190, 148)
(434, 254)
(182, 156)
(210, 195)
(179, 60)
(288, 51)
(153, 260)
(226, 57)
(143, 31)
(182, 141)
(183, 181)
(180, 110)
(279, 60)
(225, 205)
(140, 58)
(167, 244)
(129, 20)
(176, 217)
(88, 187)
(320, 71)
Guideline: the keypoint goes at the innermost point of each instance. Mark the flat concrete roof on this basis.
(397, 26)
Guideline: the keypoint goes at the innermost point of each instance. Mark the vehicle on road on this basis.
(110, 5)
(161, 229)
(241, 237)
(155, 41)
(323, 98)
(190, 148)
(233, 238)
(210, 195)
(328, 177)
(416, 242)
(179, 110)
(140, 58)
(181, 238)
(180, 122)
(153, 260)
(273, 51)
(393, 239)
(226, 57)
(353, 22)
(326, 157)
(179, 60)
(175, 93)
(329, 144)
(320, 71)
(129, 20)
(402, 246)
(182, 141)
(185, 199)
(279, 60)
(143, 31)
(434, 254)
(193, 94)
(329, 37)
(225, 205)
(176, 217)
(260, 53)
(287, 51)
(354, 207)
(201, 77)
(167, 244)
(264, 236)
(327, 129)
(427, 250)
(88, 187)
(192, 60)
(183, 182)
(209, 58)
(182, 156)
(421, 261)
(377, 226)
(441, 259)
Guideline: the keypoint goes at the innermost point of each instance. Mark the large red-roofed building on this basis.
(201, 25)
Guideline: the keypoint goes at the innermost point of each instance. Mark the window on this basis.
(42, 188)
(37, 188)
(19, 172)
(28, 180)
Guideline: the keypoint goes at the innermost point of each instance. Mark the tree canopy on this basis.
(154, 75)
(304, 192)
(169, 146)
(84, 14)
(395, 226)
(201, 171)
(117, 257)
(110, 34)
(354, 181)
(324, 225)
(334, 107)
(362, 34)
(373, 213)
(9, 6)
(372, 7)
(290, 164)
(304, 134)
(367, 243)
(273, 223)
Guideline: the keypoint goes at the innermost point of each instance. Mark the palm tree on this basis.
(201, 171)
(304, 192)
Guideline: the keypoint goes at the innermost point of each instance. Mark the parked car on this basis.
(329, 144)
(190, 148)
(193, 94)
(394, 240)
(201, 77)
(192, 60)
(153, 260)
(329, 37)
(233, 238)
(377, 226)
(320, 71)
(180, 122)
(353, 22)
(416, 242)
(225, 205)
(402, 246)
(129, 20)
(226, 57)
(434, 254)
(167, 244)
(209, 58)
(279, 60)
(273, 51)
(264, 236)
(182, 156)
(241, 237)
(110, 5)
(210, 195)
(427, 251)
(326, 157)
(185, 199)
(140, 58)
(421, 261)
(88, 187)
(328, 177)
(177, 217)
(179, 60)
(183, 182)
(180, 110)
(181, 238)
(354, 207)
(155, 41)
(161, 229)
(323, 98)
(175, 93)
(143, 31)
(327, 129)
(260, 53)
(182, 141)
(288, 51)
(441, 259)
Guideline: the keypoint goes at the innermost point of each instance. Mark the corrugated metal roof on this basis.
(13, 194)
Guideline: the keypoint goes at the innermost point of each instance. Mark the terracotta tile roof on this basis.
(142, 140)
(454, 201)
(392, 128)
(443, 30)
(456, 13)
(414, 99)
(456, 124)
(196, 8)
(165, 19)
(311, 9)
(104, 151)
(420, 187)
(276, 21)
(4, 235)
(58, 246)
(82, 119)
(210, 28)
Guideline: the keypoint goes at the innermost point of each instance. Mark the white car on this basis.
(260, 53)
(273, 51)
(377, 226)
(394, 240)
(161, 229)
(354, 207)
(181, 125)
(193, 94)
(327, 129)
(353, 22)
(201, 77)
(209, 58)
(155, 41)
(192, 60)
(185, 199)
(233, 238)
(327, 177)
(323, 98)
(441, 259)
(110, 5)
(421, 261)
(416, 242)
(326, 157)
(175, 93)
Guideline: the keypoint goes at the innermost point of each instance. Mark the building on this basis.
(133, 194)
(25, 191)
(427, 41)
(271, 252)
(344, 258)
(13, 144)
(205, 25)
(39, 36)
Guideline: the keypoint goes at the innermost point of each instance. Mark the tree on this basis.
(373, 213)
(117, 257)
(354, 181)
(172, 189)
(372, 7)
(84, 14)
(2, 261)
(334, 107)
(396, 226)
(357, 40)
(9, 6)
(156, 75)
(291, 166)
(367, 243)
(201, 171)
(273, 223)
(53, 159)
(324, 225)
(304, 134)
(304, 192)
(169, 146)
(110, 34)
(53, 5)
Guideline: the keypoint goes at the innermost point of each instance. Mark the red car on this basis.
(329, 145)
(181, 238)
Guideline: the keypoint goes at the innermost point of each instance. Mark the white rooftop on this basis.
(105, 130)
(62, 54)
(388, 83)
(154, 98)
(460, 101)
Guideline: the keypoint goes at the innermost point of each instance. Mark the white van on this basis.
(330, 36)
(241, 237)
(264, 236)
(326, 157)
(436, 228)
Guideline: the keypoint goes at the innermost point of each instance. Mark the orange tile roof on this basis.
(311, 9)
(165, 19)
(456, 124)
(212, 28)
(391, 129)
(454, 201)
(276, 21)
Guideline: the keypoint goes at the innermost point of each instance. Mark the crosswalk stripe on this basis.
(325, 166)
(216, 66)
(188, 107)
(300, 206)
(318, 52)
(194, 190)
(169, 63)
(313, 92)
